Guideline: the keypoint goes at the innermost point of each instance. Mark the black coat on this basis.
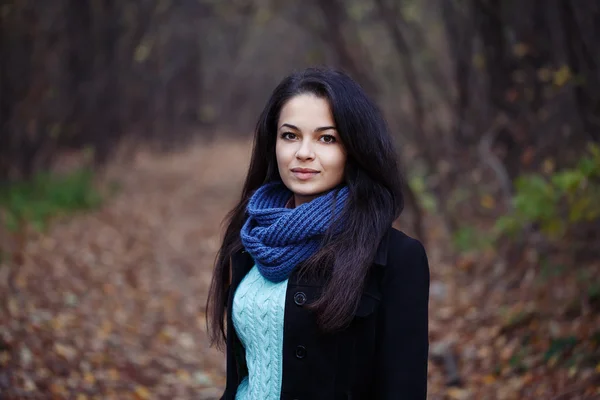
(381, 355)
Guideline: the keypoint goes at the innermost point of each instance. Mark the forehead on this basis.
(306, 110)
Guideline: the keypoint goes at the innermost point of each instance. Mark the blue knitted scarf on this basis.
(279, 238)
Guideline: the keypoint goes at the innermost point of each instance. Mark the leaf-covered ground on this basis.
(110, 304)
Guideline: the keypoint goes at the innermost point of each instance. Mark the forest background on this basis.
(125, 132)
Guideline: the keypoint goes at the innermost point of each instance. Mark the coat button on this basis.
(300, 298)
(300, 352)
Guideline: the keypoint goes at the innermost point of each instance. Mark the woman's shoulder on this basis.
(407, 268)
(401, 246)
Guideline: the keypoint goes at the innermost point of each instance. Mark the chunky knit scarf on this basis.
(279, 238)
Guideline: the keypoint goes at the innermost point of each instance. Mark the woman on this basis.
(323, 298)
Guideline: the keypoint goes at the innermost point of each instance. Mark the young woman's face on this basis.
(310, 154)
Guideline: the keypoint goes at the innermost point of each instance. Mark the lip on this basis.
(304, 174)
(304, 170)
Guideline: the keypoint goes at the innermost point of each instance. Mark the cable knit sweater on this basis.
(257, 313)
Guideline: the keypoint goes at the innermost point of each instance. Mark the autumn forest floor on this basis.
(110, 304)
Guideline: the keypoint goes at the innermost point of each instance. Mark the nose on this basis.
(305, 151)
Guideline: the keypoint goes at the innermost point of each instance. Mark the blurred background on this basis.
(125, 134)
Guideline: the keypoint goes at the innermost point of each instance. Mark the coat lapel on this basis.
(382, 250)
(241, 263)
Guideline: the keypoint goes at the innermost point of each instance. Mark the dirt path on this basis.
(110, 304)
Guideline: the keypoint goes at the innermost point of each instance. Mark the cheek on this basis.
(336, 160)
(282, 153)
(278, 150)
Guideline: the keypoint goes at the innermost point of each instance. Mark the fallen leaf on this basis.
(141, 393)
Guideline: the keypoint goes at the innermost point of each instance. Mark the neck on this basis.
(301, 199)
(291, 203)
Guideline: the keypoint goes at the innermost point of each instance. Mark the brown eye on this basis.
(328, 139)
(288, 135)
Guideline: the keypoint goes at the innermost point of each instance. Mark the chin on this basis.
(308, 189)
(302, 190)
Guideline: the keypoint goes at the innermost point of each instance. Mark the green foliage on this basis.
(467, 238)
(34, 202)
(559, 346)
(517, 362)
(426, 199)
(554, 203)
(594, 291)
(550, 270)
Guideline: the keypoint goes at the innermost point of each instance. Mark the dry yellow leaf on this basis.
(458, 394)
(164, 336)
(113, 374)
(21, 281)
(484, 352)
(183, 375)
(59, 322)
(527, 378)
(105, 331)
(562, 76)
(4, 358)
(67, 352)
(141, 393)
(89, 378)
(29, 385)
(488, 201)
(479, 61)
(489, 379)
(97, 358)
(520, 49)
(107, 327)
(58, 389)
(142, 51)
(13, 307)
(548, 166)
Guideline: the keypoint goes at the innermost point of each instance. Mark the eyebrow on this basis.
(320, 129)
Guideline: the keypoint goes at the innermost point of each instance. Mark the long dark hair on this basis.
(375, 196)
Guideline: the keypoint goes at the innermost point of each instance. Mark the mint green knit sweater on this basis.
(257, 313)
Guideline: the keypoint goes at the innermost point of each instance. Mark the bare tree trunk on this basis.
(460, 37)
(335, 15)
(108, 122)
(17, 43)
(425, 144)
(582, 63)
(80, 64)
